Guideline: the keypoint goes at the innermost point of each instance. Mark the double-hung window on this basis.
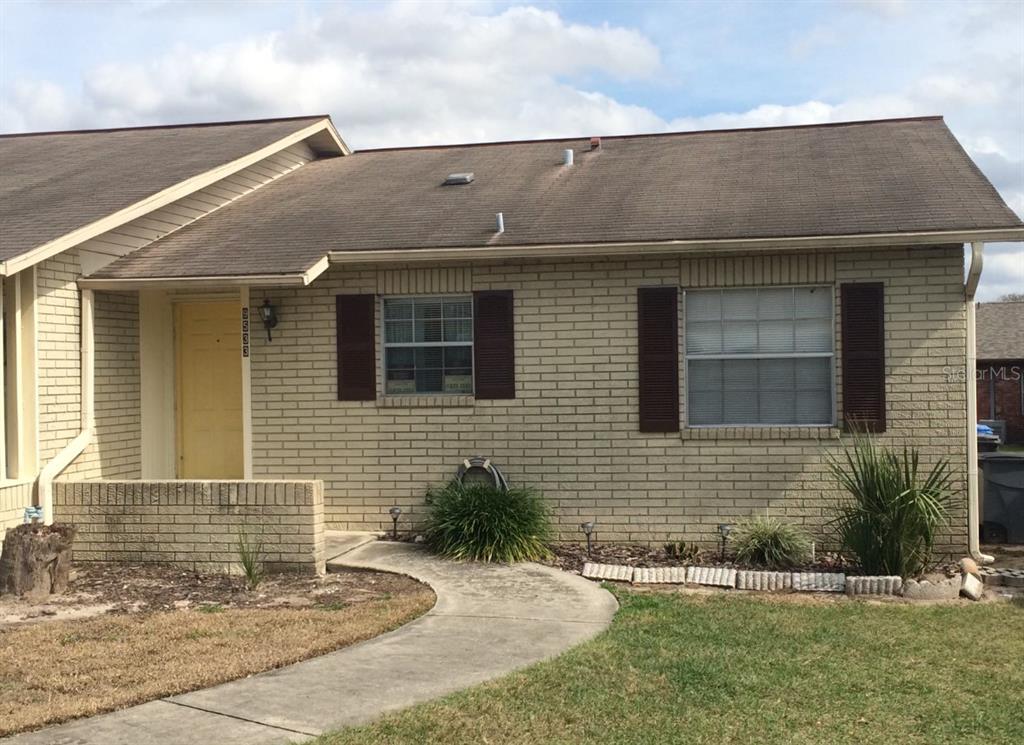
(428, 345)
(759, 356)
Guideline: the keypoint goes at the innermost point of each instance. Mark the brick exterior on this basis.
(573, 428)
(195, 524)
(14, 498)
(1001, 396)
(115, 451)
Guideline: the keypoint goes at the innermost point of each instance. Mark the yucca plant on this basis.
(891, 514)
(480, 522)
(769, 542)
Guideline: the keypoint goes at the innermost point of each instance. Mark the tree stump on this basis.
(36, 560)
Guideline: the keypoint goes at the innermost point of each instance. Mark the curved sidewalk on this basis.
(488, 621)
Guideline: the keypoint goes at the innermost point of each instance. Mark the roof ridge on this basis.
(647, 135)
(185, 125)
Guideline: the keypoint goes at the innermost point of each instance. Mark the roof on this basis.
(889, 176)
(1000, 331)
(52, 183)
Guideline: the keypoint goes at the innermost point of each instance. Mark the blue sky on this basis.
(414, 73)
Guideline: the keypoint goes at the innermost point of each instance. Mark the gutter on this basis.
(44, 484)
(720, 245)
(973, 506)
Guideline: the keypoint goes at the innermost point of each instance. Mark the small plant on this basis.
(682, 551)
(250, 556)
(891, 515)
(480, 522)
(769, 542)
(211, 608)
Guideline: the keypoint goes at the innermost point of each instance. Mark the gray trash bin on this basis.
(1003, 509)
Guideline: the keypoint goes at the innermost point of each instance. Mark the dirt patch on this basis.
(52, 672)
(145, 588)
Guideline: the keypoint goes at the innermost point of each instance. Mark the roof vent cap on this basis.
(459, 178)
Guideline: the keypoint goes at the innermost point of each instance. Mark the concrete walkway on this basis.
(488, 621)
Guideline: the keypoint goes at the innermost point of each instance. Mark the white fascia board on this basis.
(177, 283)
(738, 245)
(323, 127)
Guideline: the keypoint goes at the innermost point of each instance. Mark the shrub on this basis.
(481, 522)
(768, 542)
(682, 551)
(250, 556)
(890, 518)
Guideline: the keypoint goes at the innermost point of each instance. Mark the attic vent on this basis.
(458, 178)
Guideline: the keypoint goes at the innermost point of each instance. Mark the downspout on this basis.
(44, 485)
(973, 508)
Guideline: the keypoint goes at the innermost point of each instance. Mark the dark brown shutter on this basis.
(494, 352)
(357, 360)
(658, 345)
(863, 352)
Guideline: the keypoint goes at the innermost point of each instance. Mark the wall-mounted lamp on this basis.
(395, 513)
(268, 313)
(588, 531)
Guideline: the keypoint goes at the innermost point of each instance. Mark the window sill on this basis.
(426, 401)
(760, 433)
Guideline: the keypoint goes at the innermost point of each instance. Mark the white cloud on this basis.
(1002, 271)
(406, 73)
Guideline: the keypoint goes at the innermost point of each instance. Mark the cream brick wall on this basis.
(573, 428)
(115, 451)
(195, 524)
(14, 498)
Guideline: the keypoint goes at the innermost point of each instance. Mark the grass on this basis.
(54, 671)
(731, 669)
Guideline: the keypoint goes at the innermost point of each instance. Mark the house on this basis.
(664, 333)
(1000, 370)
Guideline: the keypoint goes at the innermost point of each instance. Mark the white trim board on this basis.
(724, 245)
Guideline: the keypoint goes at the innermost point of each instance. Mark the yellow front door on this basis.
(208, 352)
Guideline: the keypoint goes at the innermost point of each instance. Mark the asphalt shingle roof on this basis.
(1000, 331)
(890, 176)
(54, 183)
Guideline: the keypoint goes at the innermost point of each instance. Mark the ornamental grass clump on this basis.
(480, 522)
(770, 543)
(891, 515)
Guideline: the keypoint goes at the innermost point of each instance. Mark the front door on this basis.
(208, 355)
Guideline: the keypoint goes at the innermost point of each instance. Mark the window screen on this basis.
(759, 356)
(428, 345)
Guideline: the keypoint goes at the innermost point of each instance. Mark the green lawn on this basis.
(735, 669)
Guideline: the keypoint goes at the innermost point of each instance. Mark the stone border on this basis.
(747, 579)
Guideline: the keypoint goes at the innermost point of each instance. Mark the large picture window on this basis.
(428, 345)
(759, 356)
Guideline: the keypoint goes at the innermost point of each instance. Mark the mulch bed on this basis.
(98, 588)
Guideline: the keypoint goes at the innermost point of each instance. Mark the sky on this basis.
(405, 73)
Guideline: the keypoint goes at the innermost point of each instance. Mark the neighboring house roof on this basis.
(890, 177)
(53, 184)
(1000, 331)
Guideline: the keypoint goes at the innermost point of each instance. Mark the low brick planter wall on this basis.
(195, 523)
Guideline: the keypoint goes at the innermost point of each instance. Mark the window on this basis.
(759, 356)
(428, 345)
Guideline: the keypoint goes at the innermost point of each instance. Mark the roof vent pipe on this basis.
(500, 218)
(567, 156)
